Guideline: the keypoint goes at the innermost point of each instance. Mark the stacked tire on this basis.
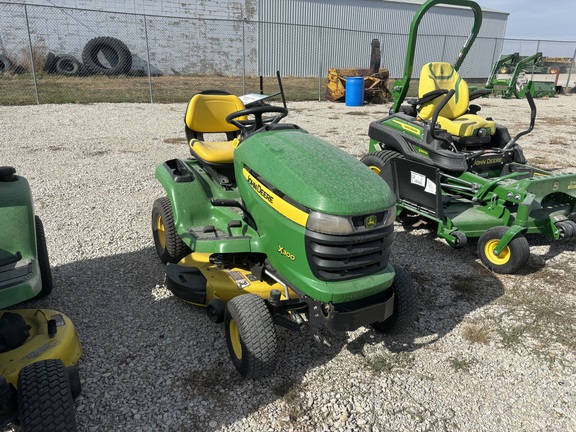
(106, 56)
(5, 64)
(100, 56)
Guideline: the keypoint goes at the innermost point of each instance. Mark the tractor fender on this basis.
(413, 148)
(190, 195)
(182, 186)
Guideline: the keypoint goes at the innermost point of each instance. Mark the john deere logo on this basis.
(370, 221)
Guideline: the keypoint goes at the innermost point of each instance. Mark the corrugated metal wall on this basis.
(317, 35)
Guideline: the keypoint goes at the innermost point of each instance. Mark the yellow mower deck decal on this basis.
(288, 210)
(409, 128)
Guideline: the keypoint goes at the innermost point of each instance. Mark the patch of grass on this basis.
(52, 88)
(388, 363)
(475, 333)
(180, 140)
(511, 338)
(461, 365)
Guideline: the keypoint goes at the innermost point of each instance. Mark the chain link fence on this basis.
(64, 55)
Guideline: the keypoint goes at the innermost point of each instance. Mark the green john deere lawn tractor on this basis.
(448, 165)
(38, 347)
(266, 228)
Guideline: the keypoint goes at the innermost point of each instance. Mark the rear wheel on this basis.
(379, 161)
(43, 261)
(45, 401)
(512, 257)
(404, 304)
(250, 336)
(169, 245)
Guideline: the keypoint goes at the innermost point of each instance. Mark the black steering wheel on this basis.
(247, 126)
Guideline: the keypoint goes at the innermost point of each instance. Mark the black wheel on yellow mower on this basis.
(250, 336)
(404, 304)
(514, 255)
(45, 399)
(169, 245)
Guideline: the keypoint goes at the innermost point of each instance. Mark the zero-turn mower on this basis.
(449, 165)
(38, 347)
(263, 229)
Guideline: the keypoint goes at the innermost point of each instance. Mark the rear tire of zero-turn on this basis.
(379, 163)
(43, 260)
(250, 336)
(404, 304)
(45, 401)
(514, 255)
(169, 246)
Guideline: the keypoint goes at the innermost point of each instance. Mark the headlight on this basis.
(329, 224)
(390, 216)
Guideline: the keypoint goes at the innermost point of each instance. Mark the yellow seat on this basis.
(206, 113)
(453, 117)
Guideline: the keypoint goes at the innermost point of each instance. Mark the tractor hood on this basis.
(312, 172)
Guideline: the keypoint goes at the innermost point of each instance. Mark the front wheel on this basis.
(512, 257)
(250, 336)
(404, 304)
(169, 246)
(45, 400)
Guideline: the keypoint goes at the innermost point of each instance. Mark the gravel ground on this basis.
(487, 352)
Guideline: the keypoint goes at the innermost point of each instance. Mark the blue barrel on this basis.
(354, 91)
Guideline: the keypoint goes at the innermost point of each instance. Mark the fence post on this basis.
(570, 70)
(244, 20)
(31, 55)
(534, 64)
(319, 63)
(148, 60)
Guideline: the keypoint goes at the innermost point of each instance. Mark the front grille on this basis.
(342, 257)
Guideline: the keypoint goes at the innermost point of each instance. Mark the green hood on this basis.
(314, 173)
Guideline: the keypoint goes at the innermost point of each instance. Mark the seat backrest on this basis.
(442, 75)
(207, 112)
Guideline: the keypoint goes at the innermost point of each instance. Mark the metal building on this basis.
(316, 35)
(301, 38)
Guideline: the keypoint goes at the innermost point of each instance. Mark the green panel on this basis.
(314, 173)
(191, 207)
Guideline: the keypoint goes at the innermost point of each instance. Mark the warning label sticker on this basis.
(239, 279)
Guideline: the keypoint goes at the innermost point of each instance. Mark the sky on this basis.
(537, 19)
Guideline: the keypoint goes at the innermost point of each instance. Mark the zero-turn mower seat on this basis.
(454, 117)
(206, 113)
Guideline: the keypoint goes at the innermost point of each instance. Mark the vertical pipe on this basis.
(443, 49)
(244, 55)
(570, 70)
(148, 60)
(534, 64)
(494, 59)
(319, 63)
(31, 56)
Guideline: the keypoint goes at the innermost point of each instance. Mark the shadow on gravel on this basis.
(153, 362)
